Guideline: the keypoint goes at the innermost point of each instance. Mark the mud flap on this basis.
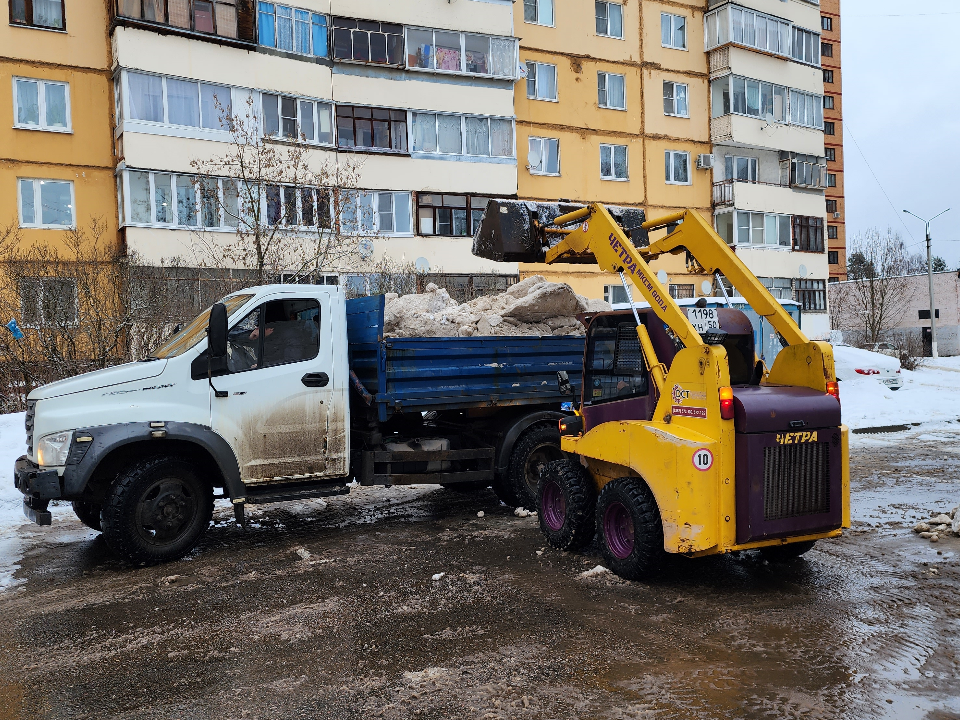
(36, 511)
(238, 507)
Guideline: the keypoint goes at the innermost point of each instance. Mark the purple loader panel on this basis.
(769, 408)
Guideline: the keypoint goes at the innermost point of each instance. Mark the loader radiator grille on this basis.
(796, 480)
(28, 423)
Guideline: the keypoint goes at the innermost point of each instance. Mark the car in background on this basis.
(886, 348)
(850, 362)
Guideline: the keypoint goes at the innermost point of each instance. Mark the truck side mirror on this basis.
(563, 383)
(217, 332)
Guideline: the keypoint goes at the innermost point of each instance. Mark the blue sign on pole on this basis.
(14, 330)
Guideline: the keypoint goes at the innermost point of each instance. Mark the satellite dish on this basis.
(422, 265)
(366, 248)
(662, 276)
(769, 118)
(533, 159)
(707, 287)
(802, 271)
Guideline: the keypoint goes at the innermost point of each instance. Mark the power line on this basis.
(949, 12)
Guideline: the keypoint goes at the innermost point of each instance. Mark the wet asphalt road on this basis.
(330, 611)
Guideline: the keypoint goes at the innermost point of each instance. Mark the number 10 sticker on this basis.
(703, 459)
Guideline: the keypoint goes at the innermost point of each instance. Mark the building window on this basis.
(831, 206)
(385, 213)
(807, 233)
(371, 128)
(462, 135)
(297, 119)
(681, 292)
(449, 215)
(757, 228)
(826, 49)
(616, 295)
(806, 109)
(292, 29)
(46, 301)
(170, 101)
(832, 233)
(544, 156)
(829, 128)
(747, 27)
(611, 91)
(780, 288)
(368, 41)
(831, 154)
(41, 105)
(826, 23)
(675, 99)
(538, 12)
(811, 294)
(741, 169)
(46, 204)
(828, 102)
(828, 76)
(743, 96)
(444, 51)
(205, 16)
(541, 81)
(613, 162)
(677, 167)
(609, 19)
(38, 13)
(833, 256)
(831, 179)
(673, 31)
(806, 171)
(806, 46)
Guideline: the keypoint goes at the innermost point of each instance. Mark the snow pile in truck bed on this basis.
(531, 307)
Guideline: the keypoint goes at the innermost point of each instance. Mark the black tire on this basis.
(156, 510)
(504, 490)
(786, 553)
(566, 501)
(537, 446)
(630, 529)
(88, 513)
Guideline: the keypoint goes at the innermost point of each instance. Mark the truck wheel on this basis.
(88, 513)
(535, 448)
(567, 500)
(156, 510)
(630, 528)
(786, 553)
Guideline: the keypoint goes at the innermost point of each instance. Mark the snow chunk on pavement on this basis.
(594, 571)
(438, 576)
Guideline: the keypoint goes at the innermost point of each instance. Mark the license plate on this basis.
(703, 319)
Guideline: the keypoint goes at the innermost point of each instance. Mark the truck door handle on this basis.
(319, 379)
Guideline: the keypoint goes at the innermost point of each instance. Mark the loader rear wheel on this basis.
(88, 513)
(566, 501)
(538, 446)
(630, 529)
(786, 553)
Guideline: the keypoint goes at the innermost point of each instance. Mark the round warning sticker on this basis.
(703, 459)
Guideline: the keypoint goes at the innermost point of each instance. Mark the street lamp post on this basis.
(933, 312)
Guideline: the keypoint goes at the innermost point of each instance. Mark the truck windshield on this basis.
(194, 332)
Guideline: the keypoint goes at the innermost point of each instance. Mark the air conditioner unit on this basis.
(836, 215)
(705, 162)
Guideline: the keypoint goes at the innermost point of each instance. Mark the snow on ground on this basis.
(11, 501)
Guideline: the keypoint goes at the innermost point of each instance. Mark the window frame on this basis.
(126, 115)
(783, 222)
(536, 5)
(829, 127)
(670, 163)
(724, 86)
(686, 93)
(826, 23)
(730, 163)
(830, 153)
(276, 36)
(298, 99)
(611, 147)
(673, 31)
(729, 25)
(543, 156)
(481, 202)
(831, 180)
(606, 90)
(608, 34)
(463, 53)
(361, 231)
(811, 293)
(828, 76)
(42, 105)
(833, 256)
(193, 17)
(813, 227)
(536, 81)
(332, 28)
(463, 134)
(28, 11)
(826, 49)
(373, 148)
(39, 224)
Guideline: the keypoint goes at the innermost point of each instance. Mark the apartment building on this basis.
(56, 156)
(833, 138)
(767, 126)
(420, 94)
(614, 108)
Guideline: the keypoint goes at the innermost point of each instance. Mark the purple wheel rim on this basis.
(553, 506)
(618, 530)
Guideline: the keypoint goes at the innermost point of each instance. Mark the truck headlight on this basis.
(52, 450)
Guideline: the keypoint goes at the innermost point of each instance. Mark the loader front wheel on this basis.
(630, 529)
(566, 501)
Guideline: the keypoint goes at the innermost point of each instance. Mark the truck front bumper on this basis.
(38, 486)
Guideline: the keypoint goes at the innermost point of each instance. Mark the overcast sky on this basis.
(901, 95)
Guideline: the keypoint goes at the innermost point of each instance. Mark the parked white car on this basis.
(851, 362)
(886, 348)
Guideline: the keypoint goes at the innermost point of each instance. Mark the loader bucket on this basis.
(514, 230)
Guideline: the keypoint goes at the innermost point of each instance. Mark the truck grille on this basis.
(796, 480)
(28, 423)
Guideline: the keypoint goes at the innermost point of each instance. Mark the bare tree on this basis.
(293, 211)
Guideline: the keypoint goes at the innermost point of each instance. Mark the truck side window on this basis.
(243, 347)
(291, 331)
(615, 366)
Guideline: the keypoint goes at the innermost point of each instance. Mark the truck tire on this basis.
(156, 510)
(88, 513)
(786, 553)
(630, 529)
(567, 499)
(537, 446)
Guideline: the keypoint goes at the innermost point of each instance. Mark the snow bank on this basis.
(12, 438)
(531, 307)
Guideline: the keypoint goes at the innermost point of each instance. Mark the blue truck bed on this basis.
(445, 373)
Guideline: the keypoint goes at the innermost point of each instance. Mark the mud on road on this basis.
(330, 610)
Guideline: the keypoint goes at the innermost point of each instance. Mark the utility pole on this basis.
(933, 311)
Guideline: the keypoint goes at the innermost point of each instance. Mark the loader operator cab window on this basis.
(276, 333)
(615, 365)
